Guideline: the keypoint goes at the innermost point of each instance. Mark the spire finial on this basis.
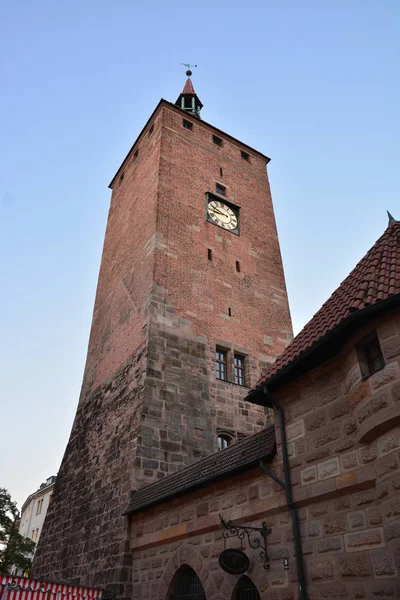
(391, 218)
(188, 67)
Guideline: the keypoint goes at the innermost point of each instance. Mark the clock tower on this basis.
(191, 306)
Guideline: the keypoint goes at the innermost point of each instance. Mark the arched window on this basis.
(186, 586)
(245, 590)
(223, 442)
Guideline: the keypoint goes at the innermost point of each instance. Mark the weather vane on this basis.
(188, 67)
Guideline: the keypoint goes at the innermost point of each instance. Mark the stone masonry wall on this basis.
(347, 491)
(84, 537)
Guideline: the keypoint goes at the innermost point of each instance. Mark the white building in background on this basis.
(34, 510)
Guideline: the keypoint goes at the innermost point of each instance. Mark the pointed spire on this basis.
(188, 99)
(391, 218)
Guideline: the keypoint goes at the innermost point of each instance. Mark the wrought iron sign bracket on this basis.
(256, 536)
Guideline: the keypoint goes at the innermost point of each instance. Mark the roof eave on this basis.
(330, 344)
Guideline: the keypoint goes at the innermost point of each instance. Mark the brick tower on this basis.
(191, 306)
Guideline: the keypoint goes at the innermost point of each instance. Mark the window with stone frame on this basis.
(221, 364)
(239, 370)
(370, 355)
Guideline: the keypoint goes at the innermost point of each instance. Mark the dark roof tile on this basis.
(239, 456)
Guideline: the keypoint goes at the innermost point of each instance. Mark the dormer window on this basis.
(223, 442)
(370, 355)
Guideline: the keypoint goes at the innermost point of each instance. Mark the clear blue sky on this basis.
(314, 85)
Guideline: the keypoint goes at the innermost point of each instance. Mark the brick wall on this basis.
(150, 403)
(347, 491)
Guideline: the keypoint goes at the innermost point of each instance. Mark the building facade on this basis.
(335, 529)
(34, 509)
(190, 310)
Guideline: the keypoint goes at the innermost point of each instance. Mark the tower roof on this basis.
(374, 280)
(188, 87)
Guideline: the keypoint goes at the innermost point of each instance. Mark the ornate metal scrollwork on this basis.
(256, 537)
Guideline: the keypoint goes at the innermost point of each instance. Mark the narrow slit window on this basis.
(217, 140)
(238, 266)
(221, 363)
(221, 172)
(187, 124)
(230, 311)
(151, 129)
(239, 369)
(220, 189)
(209, 253)
(122, 177)
(245, 155)
(136, 154)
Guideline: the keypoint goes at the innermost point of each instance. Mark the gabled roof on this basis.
(374, 281)
(239, 456)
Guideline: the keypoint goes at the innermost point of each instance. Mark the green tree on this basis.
(16, 551)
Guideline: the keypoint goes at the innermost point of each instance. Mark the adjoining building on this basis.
(34, 509)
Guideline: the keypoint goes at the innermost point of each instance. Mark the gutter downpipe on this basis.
(289, 498)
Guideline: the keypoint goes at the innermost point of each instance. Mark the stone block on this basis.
(321, 569)
(369, 453)
(317, 455)
(391, 508)
(329, 544)
(358, 591)
(329, 468)
(363, 540)
(352, 377)
(356, 520)
(364, 497)
(302, 445)
(371, 407)
(349, 461)
(386, 589)
(328, 434)
(314, 529)
(315, 420)
(395, 391)
(374, 516)
(383, 377)
(335, 524)
(389, 442)
(342, 503)
(343, 446)
(321, 488)
(383, 563)
(295, 430)
(387, 464)
(359, 394)
(391, 348)
(338, 409)
(333, 591)
(350, 426)
(327, 396)
(345, 480)
(309, 475)
(354, 566)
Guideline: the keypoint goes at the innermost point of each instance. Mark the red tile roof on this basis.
(375, 279)
(239, 456)
(188, 88)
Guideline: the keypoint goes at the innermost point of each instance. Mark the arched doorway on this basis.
(186, 585)
(245, 590)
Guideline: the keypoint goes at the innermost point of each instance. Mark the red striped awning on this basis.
(21, 588)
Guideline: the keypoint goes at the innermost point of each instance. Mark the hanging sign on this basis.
(234, 561)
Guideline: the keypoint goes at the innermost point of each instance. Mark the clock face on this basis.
(222, 215)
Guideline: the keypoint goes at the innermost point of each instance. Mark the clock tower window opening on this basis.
(220, 189)
(239, 369)
(221, 364)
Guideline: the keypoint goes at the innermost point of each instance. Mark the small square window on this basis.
(217, 140)
(245, 155)
(187, 124)
(220, 189)
(370, 355)
(239, 366)
(221, 364)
